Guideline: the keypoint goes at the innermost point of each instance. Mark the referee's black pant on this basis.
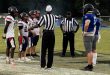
(48, 41)
(68, 36)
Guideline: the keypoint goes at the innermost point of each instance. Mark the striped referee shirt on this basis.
(48, 21)
(69, 25)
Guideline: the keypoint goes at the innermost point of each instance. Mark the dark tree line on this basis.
(59, 6)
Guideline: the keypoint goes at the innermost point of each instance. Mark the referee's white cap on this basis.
(48, 8)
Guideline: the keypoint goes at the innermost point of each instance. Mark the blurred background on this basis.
(59, 6)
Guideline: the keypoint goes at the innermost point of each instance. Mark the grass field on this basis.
(103, 49)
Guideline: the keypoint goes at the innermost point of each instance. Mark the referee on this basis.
(69, 26)
(48, 39)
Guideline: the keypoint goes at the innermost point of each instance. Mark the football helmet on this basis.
(23, 14)
(12, 9)
(32, 12)
(88, 7)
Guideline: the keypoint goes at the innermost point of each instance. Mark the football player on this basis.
(23, 36)
(32, 22)
(9, 34)
(37, 32)
(88, 29)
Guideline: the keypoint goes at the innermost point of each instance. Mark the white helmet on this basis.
(48, 8)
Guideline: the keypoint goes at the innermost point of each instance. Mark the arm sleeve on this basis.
(58, 17)
(76, 24)
(41, 21)
(62, 22)
(98, 24)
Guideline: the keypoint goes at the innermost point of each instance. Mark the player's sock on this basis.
(7, 60)
(27, 59)
(12, 61)
(94, 58)
(22, 58)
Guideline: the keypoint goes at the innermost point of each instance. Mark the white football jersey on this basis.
(33, 23)
(25, 28)
(10, 30)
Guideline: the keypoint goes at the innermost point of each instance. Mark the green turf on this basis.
(103, 48)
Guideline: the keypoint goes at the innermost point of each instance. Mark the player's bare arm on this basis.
(87, 22)
(5, 29)
(20, 30)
